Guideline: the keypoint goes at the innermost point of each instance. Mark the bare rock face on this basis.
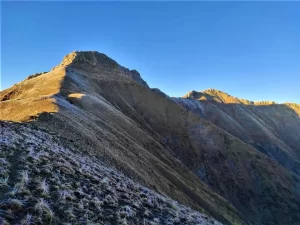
(181, 150)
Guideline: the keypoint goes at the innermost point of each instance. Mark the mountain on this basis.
(108, 114)
(271, 128)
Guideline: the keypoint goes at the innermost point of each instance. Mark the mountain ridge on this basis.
(229, 114)
(76, 95)
(232, 99)
(107, 111)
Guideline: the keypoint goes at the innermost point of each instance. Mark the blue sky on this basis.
(247, 49)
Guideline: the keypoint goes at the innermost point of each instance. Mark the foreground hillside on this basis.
(108, 111)
(45, 182)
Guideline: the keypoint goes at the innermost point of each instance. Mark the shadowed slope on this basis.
(271, 128)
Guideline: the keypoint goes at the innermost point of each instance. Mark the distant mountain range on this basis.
(231, 159)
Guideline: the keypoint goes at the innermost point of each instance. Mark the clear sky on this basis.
(249, 50)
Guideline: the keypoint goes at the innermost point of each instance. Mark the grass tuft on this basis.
(44, 187)
(25, 177)
(42, 207)
(4, 181)
(27, 220)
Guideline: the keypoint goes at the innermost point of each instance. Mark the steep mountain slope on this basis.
(107, 110)
(47, 182)
(78, 105)
(273, 129)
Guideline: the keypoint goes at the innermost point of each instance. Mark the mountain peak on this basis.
(96, 62)
(87, 58)
(215, 95)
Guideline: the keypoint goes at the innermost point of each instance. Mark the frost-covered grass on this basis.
(51, 183)
(24, 177)
(27, 220)
(64, 194)
(190, 104)
(43, 208)
(4, 181)
(18, 203)
(14, 191)
(44, 187)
